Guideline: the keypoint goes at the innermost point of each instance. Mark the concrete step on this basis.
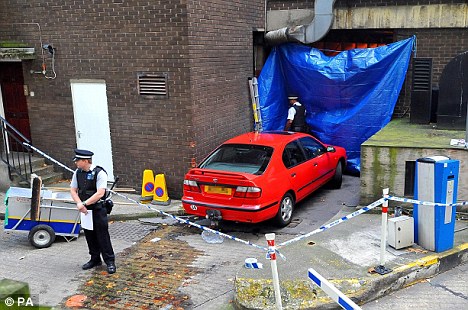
(42, 169)
(47, 179)
(52, 178)
(22, 159)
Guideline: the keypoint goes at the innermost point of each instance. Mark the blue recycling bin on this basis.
(436, 180)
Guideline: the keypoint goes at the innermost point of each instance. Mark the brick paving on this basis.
(148, 277)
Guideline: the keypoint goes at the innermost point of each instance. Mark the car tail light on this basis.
(191, 185)
(248, 192)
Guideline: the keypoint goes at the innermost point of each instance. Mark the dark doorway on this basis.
(14, 100)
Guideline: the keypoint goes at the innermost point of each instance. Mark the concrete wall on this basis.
(383, 167)
(454, 15)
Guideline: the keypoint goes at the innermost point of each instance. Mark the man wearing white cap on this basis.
(296, 116)
(88, 187)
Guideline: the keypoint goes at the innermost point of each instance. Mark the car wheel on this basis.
(285, 210)
(41, 236)
(338, 177)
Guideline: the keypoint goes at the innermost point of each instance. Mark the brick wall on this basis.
(205, 47)
(442, 45)
(221, 61)
(112, 41)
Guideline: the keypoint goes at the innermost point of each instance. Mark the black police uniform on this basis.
(98, 239)
(299, 123)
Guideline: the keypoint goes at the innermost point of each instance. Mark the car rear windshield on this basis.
(239, 158)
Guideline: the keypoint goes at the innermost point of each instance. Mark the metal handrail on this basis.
(14, 153)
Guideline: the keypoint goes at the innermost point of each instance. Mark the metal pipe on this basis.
(317, 29)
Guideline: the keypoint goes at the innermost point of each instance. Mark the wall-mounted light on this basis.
(49, 48)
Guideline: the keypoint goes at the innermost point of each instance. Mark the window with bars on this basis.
(153, 84)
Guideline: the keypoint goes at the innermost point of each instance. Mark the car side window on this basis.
(312, 148)
(293, 155)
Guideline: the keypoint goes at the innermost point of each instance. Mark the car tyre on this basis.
(285, 210)
(41, 236)
(337, 179)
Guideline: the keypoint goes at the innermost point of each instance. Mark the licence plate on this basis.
(218, 190)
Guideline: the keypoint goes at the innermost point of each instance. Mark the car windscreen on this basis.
(239, 158)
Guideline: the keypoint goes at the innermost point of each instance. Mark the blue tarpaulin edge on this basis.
(348, 97)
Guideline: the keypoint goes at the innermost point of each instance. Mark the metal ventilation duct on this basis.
(310, 33)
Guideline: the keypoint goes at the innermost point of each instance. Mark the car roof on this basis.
(270, 138)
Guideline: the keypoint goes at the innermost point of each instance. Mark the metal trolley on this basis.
(54, 215)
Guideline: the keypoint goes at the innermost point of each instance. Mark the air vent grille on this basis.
(151, 84)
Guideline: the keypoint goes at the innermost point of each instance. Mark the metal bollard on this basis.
(274, 270)
(381, 269)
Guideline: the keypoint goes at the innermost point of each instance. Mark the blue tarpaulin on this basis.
(348, 97)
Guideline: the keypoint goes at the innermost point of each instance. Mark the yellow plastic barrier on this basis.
(160, 196)
(147, 186)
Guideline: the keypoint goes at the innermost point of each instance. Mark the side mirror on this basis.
(331, 149)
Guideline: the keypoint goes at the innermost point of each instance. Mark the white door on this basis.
(92, 121)
(2, 114)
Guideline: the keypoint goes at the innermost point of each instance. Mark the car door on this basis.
(299, 169)
(316, 155)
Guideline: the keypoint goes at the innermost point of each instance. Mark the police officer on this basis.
(87, 187)
(296, 116)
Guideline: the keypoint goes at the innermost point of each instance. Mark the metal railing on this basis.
(14, 153)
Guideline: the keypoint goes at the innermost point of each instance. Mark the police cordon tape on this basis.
(334, 223)
(321, 229)
(185, 221)
(427, 203)
(47, 156)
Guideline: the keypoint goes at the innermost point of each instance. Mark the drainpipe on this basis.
(310, 33)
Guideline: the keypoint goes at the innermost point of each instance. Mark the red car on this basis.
(258, 176)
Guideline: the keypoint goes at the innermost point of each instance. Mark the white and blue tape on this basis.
(340, 298)
(252, 263)
(185, 221)
(334, 223)
(162, 212)
(323, 228)
(427, 203)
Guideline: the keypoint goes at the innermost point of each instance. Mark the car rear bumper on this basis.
(244, 213)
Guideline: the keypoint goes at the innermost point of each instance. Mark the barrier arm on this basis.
(341, 299)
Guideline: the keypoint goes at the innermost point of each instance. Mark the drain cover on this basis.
(294, 223)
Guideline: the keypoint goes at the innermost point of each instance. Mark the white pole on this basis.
(383, 238)
(274, 269)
